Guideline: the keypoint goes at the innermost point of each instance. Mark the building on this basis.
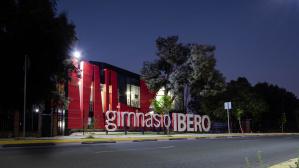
(97, 88)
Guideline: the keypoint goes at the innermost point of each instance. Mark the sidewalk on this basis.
(287, 164)
(131, 136)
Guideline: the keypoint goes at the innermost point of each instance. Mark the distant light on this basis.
(76, 54)
(36, 110)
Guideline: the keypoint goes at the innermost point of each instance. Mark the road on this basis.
(202, 153)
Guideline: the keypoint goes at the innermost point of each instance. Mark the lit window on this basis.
(133, 96)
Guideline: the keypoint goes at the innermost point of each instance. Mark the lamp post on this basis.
(25, 96)
(227, 107)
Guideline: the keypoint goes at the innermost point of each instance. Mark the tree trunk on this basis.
(241, 129)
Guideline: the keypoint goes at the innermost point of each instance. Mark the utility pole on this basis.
(227, 107)
(228, 124)
(25, 88)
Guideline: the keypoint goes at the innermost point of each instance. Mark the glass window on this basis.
(133, 96)
(128, 93)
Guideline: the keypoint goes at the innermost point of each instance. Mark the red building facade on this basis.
(100, 87)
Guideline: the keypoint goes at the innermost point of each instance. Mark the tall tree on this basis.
(243, 97)
(204, 79)
(33, 29)
(171, 55)
(179, 66)
(283, 108)
(246, 103)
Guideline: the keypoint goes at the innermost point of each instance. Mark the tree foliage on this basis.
(162, 105)
(204, 79)
(242, 96)
(34, 29)
(281, 103)
(179, 66)
(171, 55)
(269, 107)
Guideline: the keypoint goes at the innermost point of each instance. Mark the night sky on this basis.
(257, 39)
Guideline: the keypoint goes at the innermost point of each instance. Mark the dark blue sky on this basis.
(258, 39)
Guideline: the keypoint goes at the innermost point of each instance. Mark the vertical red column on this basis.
(114, 99)
(86, 89)
(107, 81)
(74, 112)
(97, 99)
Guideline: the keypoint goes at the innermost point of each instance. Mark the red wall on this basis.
(97, 99)
(74, 111)
(86, 89)
(80, 97)
(114, 99)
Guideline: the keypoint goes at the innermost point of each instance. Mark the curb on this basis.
(51, 142)
(96, 142)
(145, 140)
(178, 139)
(28, 145)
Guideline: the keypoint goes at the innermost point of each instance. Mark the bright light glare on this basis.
(36, 110)
(77, 54)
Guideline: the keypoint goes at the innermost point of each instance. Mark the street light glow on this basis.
(76, 54)
(36, 110)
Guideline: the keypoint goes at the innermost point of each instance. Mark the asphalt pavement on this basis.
(201, 153)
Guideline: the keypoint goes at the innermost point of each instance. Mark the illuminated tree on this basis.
(179, 66)
(162, 105)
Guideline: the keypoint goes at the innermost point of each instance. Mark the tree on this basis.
(283, 121)
(243, 96)
(280, 101)
(179, 66)
(204, 79)
(34, 29)
(171, 55)
(162, 105)
(238, 113)
(246, 103)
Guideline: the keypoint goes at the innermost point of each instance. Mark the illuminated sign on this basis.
(178, 121)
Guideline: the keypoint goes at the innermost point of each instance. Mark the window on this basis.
(103, 91)
(133, 96)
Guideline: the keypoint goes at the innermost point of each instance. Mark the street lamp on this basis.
(36, 110)
(25, 95)
(76, 54)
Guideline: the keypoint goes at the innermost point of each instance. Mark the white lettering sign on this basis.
(180, 122)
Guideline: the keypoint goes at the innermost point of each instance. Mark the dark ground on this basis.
(202, 153)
